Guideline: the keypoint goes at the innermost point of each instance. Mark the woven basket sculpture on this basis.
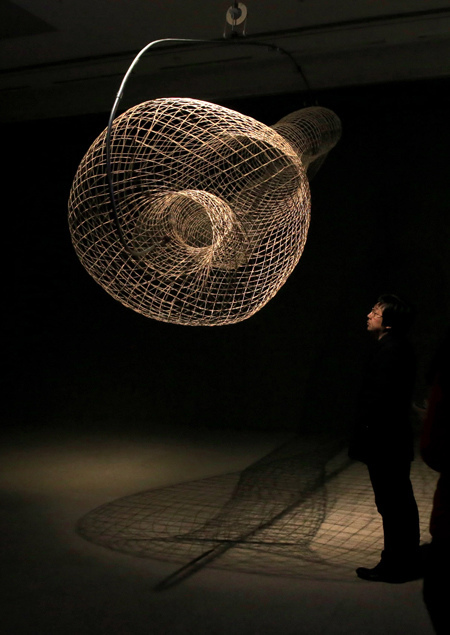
(214, 207)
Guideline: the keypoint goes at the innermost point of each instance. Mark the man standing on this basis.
(383, 439)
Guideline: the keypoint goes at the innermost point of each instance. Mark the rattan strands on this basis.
(215, 204)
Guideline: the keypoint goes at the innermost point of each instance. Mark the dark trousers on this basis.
(394, 498)
(435, 585)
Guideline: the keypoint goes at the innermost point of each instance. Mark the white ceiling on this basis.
(66, 57)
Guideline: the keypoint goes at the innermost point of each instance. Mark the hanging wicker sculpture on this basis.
(213, 207)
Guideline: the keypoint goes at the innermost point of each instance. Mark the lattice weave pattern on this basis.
(215, 205)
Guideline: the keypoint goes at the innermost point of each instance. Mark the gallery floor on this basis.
(150, 531)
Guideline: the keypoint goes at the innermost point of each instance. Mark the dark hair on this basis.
(397, 313)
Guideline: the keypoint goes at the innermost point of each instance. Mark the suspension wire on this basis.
(114, 212)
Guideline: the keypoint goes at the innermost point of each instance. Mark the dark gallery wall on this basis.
(380, 223)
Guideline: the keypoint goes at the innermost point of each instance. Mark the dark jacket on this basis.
(435, 451)
(383, 429)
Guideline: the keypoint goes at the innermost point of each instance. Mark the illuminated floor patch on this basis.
(304, 510)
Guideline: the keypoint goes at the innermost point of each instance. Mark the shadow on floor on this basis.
(304, 510)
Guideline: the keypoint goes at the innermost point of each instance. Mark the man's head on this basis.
(390, 313)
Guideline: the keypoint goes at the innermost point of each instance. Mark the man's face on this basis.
(375, 321)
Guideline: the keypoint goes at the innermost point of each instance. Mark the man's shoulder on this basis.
(395, 347)
(391, 340)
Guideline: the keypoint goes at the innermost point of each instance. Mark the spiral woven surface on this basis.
(214, 207)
